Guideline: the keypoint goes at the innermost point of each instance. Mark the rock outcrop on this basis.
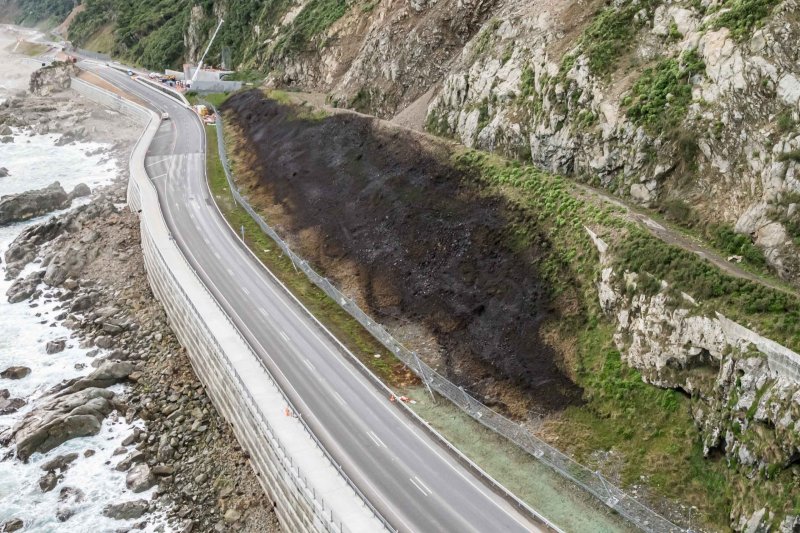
(744, 388)
(18, 207)
(15, 372)
(52, 78)
(129, 510)
(60, 419)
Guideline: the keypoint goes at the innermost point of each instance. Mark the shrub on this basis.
(314, 19)
(743, 16)
(794, 156)
(609, 35)
(661, 96)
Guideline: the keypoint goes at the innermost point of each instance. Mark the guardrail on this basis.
(591, 481)
(173, 295)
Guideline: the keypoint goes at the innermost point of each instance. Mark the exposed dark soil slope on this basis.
(423, 244)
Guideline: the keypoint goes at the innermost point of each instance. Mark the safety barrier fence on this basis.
(592, 481)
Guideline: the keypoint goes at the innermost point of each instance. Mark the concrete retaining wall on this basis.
(293, 469)
(110, 100)
(220, 86)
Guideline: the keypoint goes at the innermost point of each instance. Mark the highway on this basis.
(413, 481)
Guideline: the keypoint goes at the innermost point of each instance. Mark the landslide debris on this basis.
(391, 220)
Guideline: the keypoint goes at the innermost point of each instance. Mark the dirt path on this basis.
(677, 238)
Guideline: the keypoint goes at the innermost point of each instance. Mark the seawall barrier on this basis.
(310, 493)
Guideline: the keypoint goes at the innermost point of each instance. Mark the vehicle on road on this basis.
(164, 116)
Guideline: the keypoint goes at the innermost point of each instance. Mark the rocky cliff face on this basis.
(689, 107)
(745, 389)
(685, 113)
(52, 78)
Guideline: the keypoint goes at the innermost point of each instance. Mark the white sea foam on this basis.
(35, 162)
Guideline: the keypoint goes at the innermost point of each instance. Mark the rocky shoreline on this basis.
(87, 264)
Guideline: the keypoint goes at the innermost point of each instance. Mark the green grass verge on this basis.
(533, 482)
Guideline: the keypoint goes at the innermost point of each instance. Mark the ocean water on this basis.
(35, 162)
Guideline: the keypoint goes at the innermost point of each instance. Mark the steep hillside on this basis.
(528, 293)
(643, 98)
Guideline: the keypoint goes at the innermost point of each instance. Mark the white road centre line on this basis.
(230, 272)
(205, 240)
(419, 487)
(423, 485)
(376, 439)
(244, 290)
(308, 364)
(160, 176)
(216, 254)
(339, 398)
(263, 312)
(285, 336)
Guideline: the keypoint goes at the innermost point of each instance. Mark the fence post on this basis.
(424, 376)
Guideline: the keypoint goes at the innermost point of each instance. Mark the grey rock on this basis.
(15, 372)
(140, 478)
(52, 78)
(232, 515)
(104, 341)
(60, 462)
(49, 481)
(137, 456)
(29, 204)
(80, 191)
(60, 419)
(107, 374)
(68, 263)
(15, 524)
(64, 513)
(129, 510)
(24, 288)
(3, 172)
(11, 405)
(163, 470)
(71, 494)
(53, 347)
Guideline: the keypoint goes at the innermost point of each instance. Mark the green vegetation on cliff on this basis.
(661, 96)
(151, 32)
(31, 12)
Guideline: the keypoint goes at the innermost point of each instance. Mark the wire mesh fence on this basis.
(592, 481)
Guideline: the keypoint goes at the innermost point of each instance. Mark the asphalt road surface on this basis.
(407, 475)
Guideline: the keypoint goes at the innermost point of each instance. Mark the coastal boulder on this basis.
(15, 372)
(140, 478)
(130, 510)
(55, 346)
(80, 191)
(29, 204)
(63, 418)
